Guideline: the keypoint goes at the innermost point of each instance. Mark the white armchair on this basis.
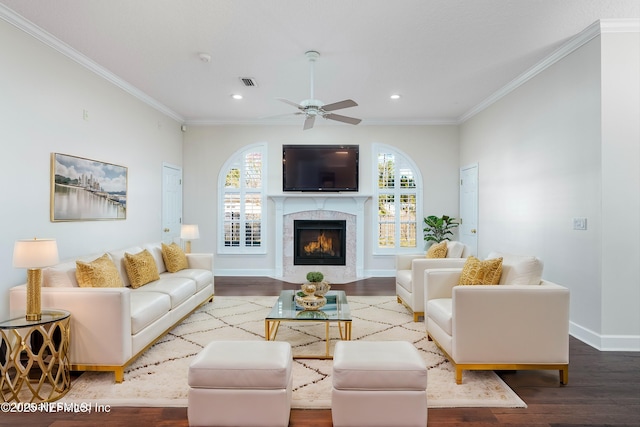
(410, 274)
(522, 323)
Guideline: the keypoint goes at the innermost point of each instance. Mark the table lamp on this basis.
(189, 232)
(34, 254)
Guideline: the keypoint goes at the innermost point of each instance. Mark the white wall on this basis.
(43, 97)
(547, 154)
(433, 148)
(620, 188)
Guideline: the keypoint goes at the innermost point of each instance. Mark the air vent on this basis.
(248, 81)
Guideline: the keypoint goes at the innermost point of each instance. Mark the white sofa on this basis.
(522, 323)
(110, 327)
(410, 274)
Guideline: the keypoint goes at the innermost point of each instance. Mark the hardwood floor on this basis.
(603, 389)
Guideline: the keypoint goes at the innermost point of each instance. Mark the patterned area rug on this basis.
(159, 376)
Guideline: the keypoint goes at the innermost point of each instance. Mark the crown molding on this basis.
(620, 26)
(585, 36)
(289, 122)
(41, 35)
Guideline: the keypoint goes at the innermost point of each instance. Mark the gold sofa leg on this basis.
(564, 375)
(119, 373)
(458, 375)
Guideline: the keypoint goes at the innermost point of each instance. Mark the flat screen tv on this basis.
(320, 167)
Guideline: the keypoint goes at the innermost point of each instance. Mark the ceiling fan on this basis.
(312, 108)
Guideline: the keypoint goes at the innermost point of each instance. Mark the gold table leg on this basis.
(326, 339)
(271, 330)
(345, 330)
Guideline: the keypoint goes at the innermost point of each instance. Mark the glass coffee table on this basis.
(286, 310)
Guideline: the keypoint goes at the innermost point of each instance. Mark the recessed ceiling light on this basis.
(236, 96)
(204, 57)
(395, 96)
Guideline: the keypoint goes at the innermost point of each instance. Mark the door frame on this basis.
(471, 238)
(172, 234)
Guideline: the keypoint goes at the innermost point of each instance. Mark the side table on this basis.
(34, 361)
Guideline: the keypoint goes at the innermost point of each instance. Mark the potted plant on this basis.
(438, 228)
(317, 278)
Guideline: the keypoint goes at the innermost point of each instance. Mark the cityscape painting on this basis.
(87, 190)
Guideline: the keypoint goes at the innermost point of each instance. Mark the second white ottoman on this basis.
(381, 383)
(241, 383)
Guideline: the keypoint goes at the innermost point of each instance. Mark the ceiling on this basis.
(444, 57)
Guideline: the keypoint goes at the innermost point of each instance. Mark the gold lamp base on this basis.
(187, 247)
(34, 279)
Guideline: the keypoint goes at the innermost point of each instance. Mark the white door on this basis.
(468, 229)
(171, 202)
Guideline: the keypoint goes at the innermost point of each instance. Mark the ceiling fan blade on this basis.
(339, 105)
(308, 123)
(295, 104)
(275, 116)
(344, 119)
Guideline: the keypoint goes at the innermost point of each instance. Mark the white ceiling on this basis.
(444, 57)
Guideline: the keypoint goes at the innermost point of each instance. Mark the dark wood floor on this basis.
(603, 389)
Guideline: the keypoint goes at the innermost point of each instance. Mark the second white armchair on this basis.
(410, 274)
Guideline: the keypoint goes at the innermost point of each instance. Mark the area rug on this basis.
(159, 376)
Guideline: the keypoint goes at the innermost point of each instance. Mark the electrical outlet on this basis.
(85, 115)
(580, 223)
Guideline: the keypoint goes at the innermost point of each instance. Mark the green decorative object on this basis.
(316, 279)
(438, 228)
(315, 276)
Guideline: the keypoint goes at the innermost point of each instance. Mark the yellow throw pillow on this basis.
(99, 273)
(174, 257)
(141, 268)
(437, 250)
(476, 272)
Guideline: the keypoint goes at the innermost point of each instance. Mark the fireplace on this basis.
(319, 242)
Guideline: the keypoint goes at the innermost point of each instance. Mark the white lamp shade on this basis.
(35, 253)
(189, 232)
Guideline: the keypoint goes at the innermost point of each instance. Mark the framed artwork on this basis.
(87, 190)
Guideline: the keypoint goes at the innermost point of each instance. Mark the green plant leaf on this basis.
(438, 228)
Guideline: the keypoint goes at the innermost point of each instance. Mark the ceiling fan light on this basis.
(236, 96)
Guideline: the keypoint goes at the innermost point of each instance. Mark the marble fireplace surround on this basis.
(313, 206)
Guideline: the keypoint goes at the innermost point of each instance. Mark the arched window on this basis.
(242, 202)
(398, 201)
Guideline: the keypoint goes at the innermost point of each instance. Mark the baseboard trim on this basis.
(604, 342)
(245, 272)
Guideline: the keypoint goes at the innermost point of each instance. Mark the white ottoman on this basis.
(382, 383)
(241, 383)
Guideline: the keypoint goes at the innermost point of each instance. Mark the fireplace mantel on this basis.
(349, 203)
(303, 201)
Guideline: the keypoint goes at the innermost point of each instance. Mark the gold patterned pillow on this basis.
(99, 273)
(141, 268)
(476, 272)
(174, 257)
(438, 250)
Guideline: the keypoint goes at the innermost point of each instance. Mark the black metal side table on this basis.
(34, 361)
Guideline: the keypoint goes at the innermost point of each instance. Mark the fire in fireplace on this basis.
(319, 242)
